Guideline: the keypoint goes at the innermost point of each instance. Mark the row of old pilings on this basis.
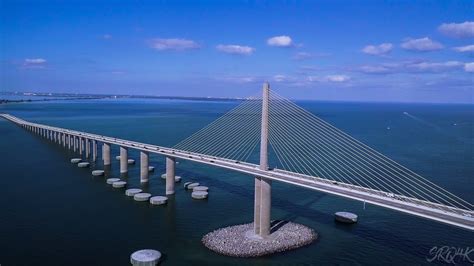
(86, 146)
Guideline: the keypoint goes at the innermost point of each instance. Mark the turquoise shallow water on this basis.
(53, 213)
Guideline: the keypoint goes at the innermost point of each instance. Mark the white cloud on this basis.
(337, 78)
(381, 49)
(464, 49)
(379, 69)
(303, 56)
(421, 45)
(458, 30)
(300, 56)
(235, 49)
(280, 41)
(173, 44)
(469, 67)
(412, 67)
(436, 67)
(239, 79)
(280, 78)
(34, 63)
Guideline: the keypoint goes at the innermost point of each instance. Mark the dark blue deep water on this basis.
(53, 213)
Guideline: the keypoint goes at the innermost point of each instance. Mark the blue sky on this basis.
(410, 51)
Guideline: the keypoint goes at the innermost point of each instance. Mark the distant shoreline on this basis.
(68, 96)
(4, 101)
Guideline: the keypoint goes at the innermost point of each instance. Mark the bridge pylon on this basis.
(263, 193)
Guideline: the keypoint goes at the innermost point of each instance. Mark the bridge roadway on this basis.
(433, 211)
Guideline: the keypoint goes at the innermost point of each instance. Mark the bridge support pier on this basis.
(87, 143)
(81, 145)
(256, 209)
(106, 154)
(265, 206)
(170, 172)
(144, 163)
(123, 160)
(94, 150)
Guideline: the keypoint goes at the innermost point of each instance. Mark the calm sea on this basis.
(53, 213)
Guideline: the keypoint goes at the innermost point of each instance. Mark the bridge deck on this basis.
(433, 211)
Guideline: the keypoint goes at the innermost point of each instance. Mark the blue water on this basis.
(53, 213)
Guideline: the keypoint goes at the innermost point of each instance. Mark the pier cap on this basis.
(145, 257)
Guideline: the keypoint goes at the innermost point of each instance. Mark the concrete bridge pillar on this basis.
(94, 150)
(87, 143)
(170, 173)
(74, 143)
(106, 154)
(69, 142)
(256, 209)
(81, 145)
(64, 140)
(123, 160)
(144, 163)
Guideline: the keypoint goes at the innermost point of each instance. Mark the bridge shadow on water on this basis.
(295, 211)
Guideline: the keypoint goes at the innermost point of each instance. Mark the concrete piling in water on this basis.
(106, 153)
(170, 172)
(123, 160)
(94, 150)
(145, 257)
(87, 143)
(144, 163)
(81, 145)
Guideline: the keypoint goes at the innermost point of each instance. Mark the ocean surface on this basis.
(54, 213)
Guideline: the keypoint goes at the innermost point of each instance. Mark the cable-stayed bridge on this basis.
(273, 139)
